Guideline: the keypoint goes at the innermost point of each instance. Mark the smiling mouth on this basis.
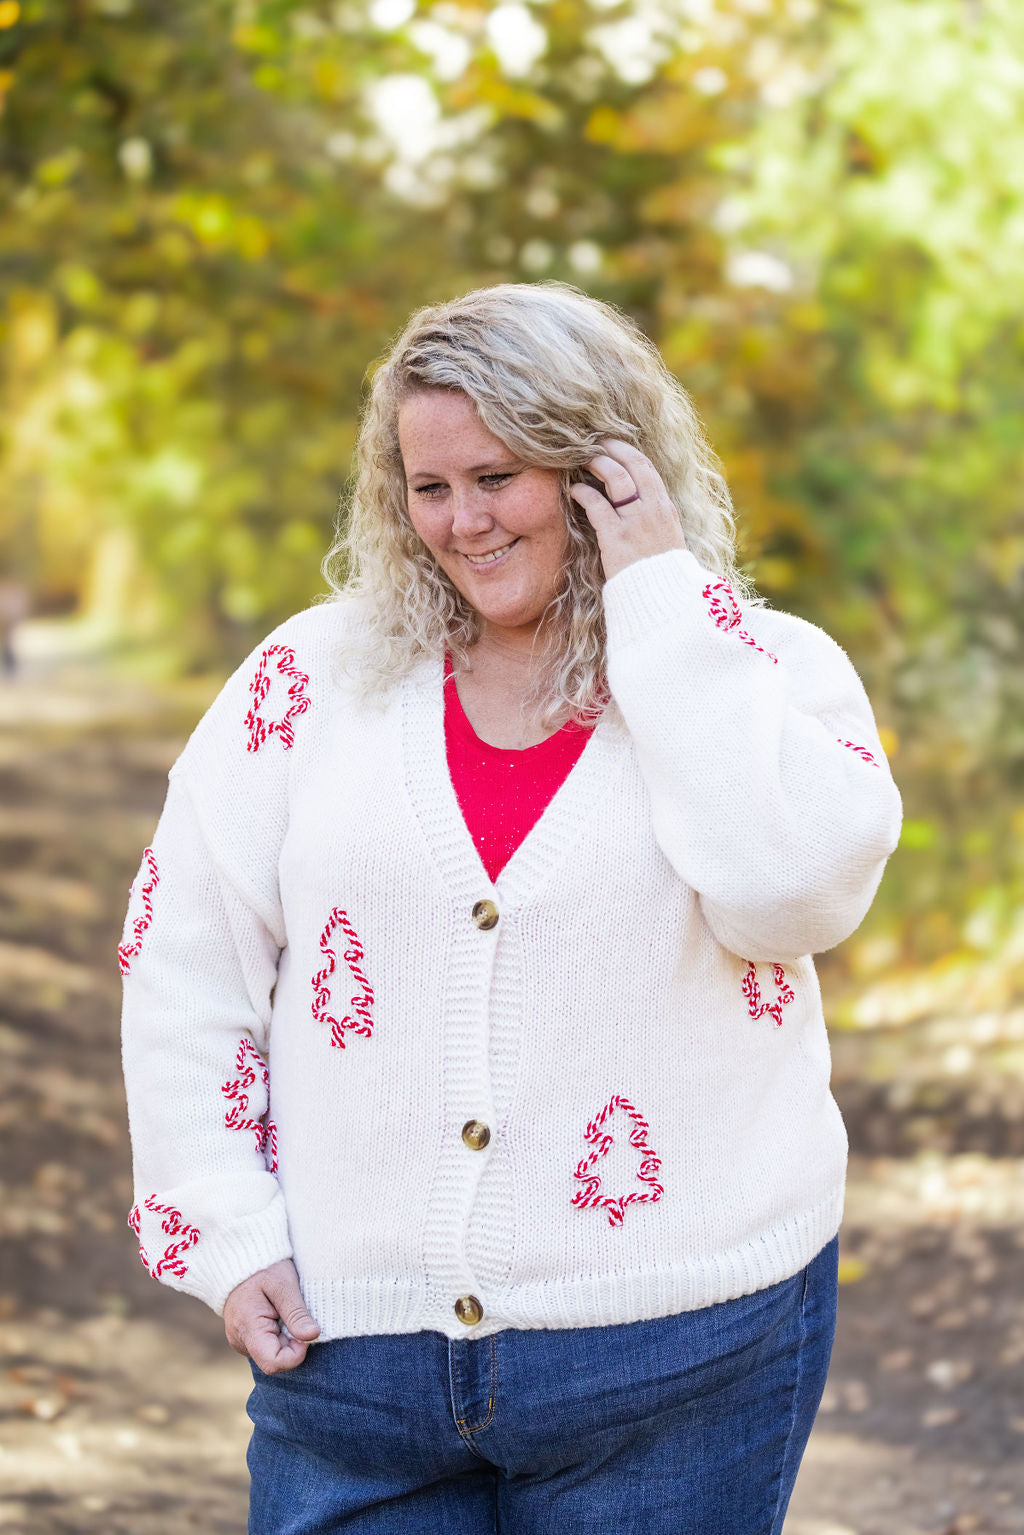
(490, 559)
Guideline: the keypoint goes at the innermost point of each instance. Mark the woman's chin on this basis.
(503, 610)
(508, 618)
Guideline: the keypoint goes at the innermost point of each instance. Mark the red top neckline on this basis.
(503, 791)
(460, 723)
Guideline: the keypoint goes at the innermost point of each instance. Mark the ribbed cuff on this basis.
(238, 1251)
(650, 593)
(194, 1243)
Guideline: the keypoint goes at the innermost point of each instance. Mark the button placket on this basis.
(473, 1090)
(475, 917)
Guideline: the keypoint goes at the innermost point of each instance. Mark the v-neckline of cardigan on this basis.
(437, 809)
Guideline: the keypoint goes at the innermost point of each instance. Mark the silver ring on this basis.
(634, 497)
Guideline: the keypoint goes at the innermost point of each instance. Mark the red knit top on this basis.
(503, 792)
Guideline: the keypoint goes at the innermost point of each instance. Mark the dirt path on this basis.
(121, 1409)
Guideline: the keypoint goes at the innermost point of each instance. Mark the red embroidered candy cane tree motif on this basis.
(725, 611)
(259, 687)
(752, 991)
(135, 1221)
(126, 952)
(590, 1194)
(171, 1261)
(362, 1023)
(861, 751)
(249, 1064)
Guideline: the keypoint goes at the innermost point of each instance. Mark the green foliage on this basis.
(214, 214)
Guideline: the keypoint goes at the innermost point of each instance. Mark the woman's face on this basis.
(494, 524)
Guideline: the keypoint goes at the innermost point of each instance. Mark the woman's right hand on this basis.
(255, 1312)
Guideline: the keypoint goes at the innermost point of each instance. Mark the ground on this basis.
(121, 1408)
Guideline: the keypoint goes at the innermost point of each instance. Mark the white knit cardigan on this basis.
(313, 1012)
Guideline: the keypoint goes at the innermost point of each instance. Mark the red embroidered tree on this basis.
(751, 990)
(602, 1141)
(725, 611)
(171, 1261)
(250, 1064)
(259, 687)
(127, 950)
(362, 1022)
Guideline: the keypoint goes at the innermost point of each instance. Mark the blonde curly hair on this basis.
(551, 371)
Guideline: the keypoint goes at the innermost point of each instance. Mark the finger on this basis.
(631, 459)
(618, 482)
(264, 1352)
(301, 1325)
(602, 518)
(601, 515)
(290, 1352)
(278, 1353)
(236, 1319)
(291, 1308)
(266, 1345)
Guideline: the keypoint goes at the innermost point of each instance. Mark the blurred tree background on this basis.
(214, 214)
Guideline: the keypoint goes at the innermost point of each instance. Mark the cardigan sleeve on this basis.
(199, 963)
(770, 792)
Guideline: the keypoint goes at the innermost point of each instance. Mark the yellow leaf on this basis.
(10, 10)
(256, 39)
(602, 126)
(268, 77)
(252, 238)
(211, 219)
(57, 169)
(330, 79)
(664, 122)
(851, 1269)
(516, 101)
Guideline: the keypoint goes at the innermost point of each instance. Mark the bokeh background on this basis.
(213, 216)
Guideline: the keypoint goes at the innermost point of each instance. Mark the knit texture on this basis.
(307, 989)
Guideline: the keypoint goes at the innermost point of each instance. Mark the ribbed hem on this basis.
(347, 1308)
(651, 593)
(609, 1299)
(344, 1309)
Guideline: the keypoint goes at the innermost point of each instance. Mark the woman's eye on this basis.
(438, 487)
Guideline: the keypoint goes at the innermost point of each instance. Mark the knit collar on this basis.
(566, 819)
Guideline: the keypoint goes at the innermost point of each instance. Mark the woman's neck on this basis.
(496, 690)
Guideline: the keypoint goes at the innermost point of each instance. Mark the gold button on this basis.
(475, 1134)
(485, 915)
(468, 1309)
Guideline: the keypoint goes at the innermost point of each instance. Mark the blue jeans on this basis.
(686, 1425)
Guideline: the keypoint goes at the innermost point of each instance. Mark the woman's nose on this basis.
(470, 513)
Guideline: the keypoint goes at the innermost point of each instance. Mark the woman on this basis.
(471, 1025)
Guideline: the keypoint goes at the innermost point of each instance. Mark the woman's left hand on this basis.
(635, 517)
